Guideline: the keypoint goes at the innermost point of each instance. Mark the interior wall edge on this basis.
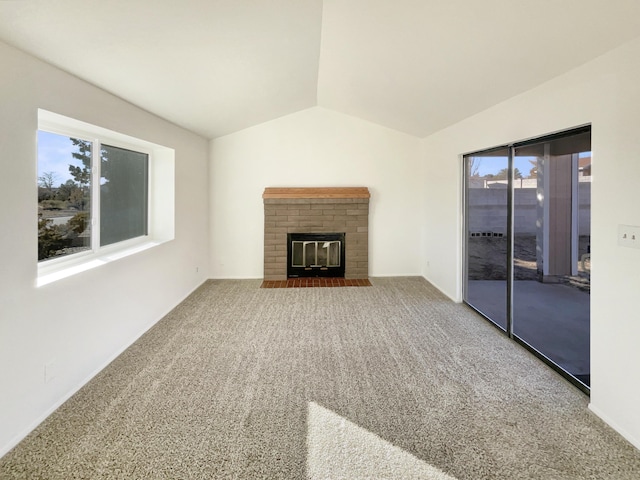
(453, 298)
(12, 443)
(614, 425)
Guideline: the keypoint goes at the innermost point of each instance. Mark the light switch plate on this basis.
(629, 236)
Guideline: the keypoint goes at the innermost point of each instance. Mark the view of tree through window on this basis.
(65, 193)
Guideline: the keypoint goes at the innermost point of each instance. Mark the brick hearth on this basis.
(316, 210)
(316, 282)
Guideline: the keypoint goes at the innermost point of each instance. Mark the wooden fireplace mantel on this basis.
(315, 192)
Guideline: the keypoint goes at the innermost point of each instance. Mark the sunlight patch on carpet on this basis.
(339, 449)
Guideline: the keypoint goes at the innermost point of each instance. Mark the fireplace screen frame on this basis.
(315, 241)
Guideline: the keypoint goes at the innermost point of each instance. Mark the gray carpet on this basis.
(389, 381)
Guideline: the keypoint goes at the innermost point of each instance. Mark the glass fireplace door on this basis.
(315, 255)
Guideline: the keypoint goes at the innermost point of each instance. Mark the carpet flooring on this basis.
(390, 381)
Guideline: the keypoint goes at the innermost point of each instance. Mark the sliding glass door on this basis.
(487, 213)
(527, 256)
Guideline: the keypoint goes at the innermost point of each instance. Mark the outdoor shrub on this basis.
(78, 222)
(51, 238)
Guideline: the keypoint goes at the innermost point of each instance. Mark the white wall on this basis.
(606, 93)
(80, 323)
(314, 147)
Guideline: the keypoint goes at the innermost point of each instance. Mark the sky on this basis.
(54, 155)
(495, 164)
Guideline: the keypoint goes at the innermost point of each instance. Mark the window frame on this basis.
(53, 269)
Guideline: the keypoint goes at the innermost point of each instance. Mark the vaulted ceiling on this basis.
(219, 66)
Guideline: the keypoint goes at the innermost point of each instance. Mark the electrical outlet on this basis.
(629, 236)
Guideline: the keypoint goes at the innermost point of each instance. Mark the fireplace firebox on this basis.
(315, 255)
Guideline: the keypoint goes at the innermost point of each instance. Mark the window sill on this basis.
(68, 267)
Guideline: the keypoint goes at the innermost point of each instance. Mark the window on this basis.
(98, 194)
(73, 178)
(123, 194)
(64, 195)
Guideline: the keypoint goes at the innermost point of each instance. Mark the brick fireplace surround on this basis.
(316, 210)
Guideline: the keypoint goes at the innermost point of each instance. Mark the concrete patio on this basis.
(552, 318)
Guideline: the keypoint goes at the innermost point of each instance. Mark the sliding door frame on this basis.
(510, 242)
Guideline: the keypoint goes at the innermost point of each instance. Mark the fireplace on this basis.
(289, 212)
(315, 255)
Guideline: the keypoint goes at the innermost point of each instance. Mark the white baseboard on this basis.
(21, 436)
(621, 430)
